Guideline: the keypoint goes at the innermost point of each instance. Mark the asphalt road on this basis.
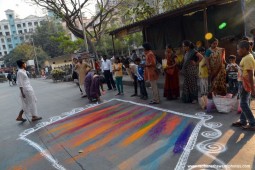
(216, 143)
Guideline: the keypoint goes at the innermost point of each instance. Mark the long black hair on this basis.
(189, 44)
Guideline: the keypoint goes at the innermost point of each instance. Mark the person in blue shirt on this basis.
(140, 78)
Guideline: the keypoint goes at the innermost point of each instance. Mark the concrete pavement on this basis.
(216, 143)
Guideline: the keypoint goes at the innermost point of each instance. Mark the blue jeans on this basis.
(246, 114)
(119, 84)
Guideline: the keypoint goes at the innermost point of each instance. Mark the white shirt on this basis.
(23, 80)
(106, 65)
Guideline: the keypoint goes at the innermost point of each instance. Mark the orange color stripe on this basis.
(114, 134)
(80, 121)
(171, 125)
(101, 127)
(143, 131)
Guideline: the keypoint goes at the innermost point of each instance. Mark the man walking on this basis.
(151, 73)
(107, 70)
(28, 97)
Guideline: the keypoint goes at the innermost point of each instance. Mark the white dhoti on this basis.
(29, 103)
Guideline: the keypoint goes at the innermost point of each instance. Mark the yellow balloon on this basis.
(208, 36)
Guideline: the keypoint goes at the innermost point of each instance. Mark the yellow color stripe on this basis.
(143, 131)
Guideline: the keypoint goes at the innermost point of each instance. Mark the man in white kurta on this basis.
(28, 97)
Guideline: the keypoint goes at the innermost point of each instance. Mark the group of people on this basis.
(216, 76)
(209, 66)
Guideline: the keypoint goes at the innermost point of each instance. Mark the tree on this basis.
(142, 10)
(173, 4)
(66, 44)
(69, 12)
(26, 52)
(44, 40)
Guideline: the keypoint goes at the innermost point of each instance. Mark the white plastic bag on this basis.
(224, 104)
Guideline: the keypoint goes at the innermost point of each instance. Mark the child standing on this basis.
(247, 66)
(117, 69)
(140, 78)
(203, 74)
(232, 72)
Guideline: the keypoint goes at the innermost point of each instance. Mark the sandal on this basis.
(238, 124)
(36, 118)
(248, 127)
(21, 119)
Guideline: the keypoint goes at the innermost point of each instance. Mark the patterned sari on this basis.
(190, 72)
(218, 71)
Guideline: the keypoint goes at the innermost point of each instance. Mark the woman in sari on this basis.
(190, 72)
(171, 88)
(216, 64)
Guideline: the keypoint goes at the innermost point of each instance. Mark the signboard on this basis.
(30, 62)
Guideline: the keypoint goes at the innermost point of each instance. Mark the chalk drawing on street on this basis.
(152, 135)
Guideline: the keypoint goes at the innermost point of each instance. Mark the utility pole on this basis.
(36, 57)
(83, 28)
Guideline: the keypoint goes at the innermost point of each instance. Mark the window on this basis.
(31, 29)
(10, 46)
(19, 25)
(12, 26)
(10, 16)
(20, 31)
(4, 47)
(6, 27)
(9, 40)
(22, 38)
(1, 54)
(7, 33)
(15, 38)
(14, 32)
(5, 52)
(24, 24)
(2, 40)
(25, 30)
(35, 23)
(1, 34)
(30, 24)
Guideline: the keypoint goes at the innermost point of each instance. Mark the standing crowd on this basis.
(209, 66)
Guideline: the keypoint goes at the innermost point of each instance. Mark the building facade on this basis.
(14, 31)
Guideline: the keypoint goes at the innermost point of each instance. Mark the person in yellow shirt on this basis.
(247, 65)
(118, 73)
(203, 73)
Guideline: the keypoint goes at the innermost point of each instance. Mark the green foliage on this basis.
(122, 45)
(66, 44)
(26, 52)
(57, 74)
(42, 38)
(140, 11)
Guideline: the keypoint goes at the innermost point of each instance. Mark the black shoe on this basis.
(153, 102)
(133, 95)
(117, 94)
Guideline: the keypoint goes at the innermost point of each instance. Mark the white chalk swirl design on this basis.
(209, 146)
(210, 134)
(213, 147)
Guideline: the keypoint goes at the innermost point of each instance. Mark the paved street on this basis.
(173, 136)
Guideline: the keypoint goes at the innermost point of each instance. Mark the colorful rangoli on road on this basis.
(118, 134)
